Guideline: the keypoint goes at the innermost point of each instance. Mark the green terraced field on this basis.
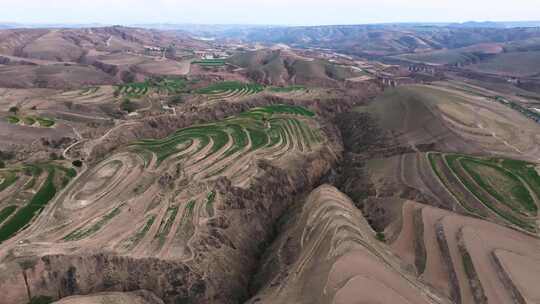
(88, 91)
(57, 178)
(7, 178)
(137, 89)
(162, 86)
(170, 85)
(166, 224)
(45, 122)
(31, 121)
(85, 232)
(13, 119)
(133, 241)
(509, 188)
(262, 127)
(288, 89)
(210, 62)
(230, 89)
(6, 212)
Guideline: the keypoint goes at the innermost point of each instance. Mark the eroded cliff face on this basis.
(225, 247)
(135, 297)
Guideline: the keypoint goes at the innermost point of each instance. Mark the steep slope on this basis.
(327, 253)
(279, 67)
(451, 120)
(137, 297)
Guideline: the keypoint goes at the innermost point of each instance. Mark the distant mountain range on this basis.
(209, 28)
(471, 40)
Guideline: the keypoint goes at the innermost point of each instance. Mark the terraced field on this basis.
(89, 91)
(34, 121)
(165, 187)
(210, 62)
(288, 89)
(229, 90)
(329, 254)
(469, 260)
(506, 189)
(25, 191)
(456, 121)
(138, 89)
(162, 86)
(500, 190)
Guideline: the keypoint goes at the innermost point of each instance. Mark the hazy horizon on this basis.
(265, 12)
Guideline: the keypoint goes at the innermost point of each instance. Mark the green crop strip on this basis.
(83, 233)
(24, 215)
(139, 89)
(27, 120)
(6, 212)
(188, 211)
(468, 164)
(88, 91)
(442, 178)
(472, 188)
(229, 89)
(518, 190)
(210, 62)
(31, 120)
(524, 170)
(13, 119)
(132, 241)
(288, 89)
(166, 224)
(9, 178)
(45, 122)
(262, 127)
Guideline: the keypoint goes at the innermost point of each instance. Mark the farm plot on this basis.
(507, 189)
(229, 90)
(26, 191)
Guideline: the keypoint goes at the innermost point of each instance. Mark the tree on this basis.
(77, 163)
(14, 110)
(170, 52)
(128, 77)
(176, 100)
(127, 105)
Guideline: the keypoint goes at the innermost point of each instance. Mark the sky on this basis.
(274, 12)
